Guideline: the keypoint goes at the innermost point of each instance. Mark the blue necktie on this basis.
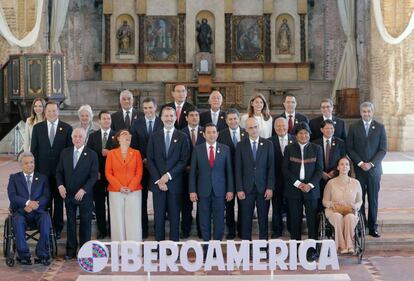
(29, 184)
(75, 158)
(366, 128)
(150, 127)
(254, 150)
(167, 142)
(235, 137)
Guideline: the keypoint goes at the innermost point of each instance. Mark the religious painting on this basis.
(248, 38)
(161, 38)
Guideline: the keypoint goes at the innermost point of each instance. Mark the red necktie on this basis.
(178, 111)
(327, 153)
(290, 125)
(211, 156)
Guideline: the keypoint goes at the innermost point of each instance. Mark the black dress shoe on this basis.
(43, 260)
(230, 236)
(375, 234)
(276, 235)
(24, 261)
(185, 235)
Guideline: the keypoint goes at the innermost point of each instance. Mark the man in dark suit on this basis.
(302, 169)
(180, 105)
(293, 117)
(230, 137)
(167, 156)
(214, 115)
(49, 138)
(101, 141)
(195, 136)
(333, 149)
(280, 141)
(211, 182)
(315, 123)
(367, 145)
(141, 132)
(255, 179)
(76, 175)
(29, 196)
(124, 118)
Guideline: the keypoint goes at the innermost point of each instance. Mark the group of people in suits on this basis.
(213, 159)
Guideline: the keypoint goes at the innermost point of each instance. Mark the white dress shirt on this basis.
(283, 141)
(208, 149)
(49, 124)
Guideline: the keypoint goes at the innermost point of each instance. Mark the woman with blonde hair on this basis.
(37, 114)
(342, 199)
(259, 109)
(85, 115)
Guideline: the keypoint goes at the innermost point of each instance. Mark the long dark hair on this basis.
(116, 136)
(33, 115)
(265, 109)
(351, 172)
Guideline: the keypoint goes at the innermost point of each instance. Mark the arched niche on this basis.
(125, 35)
(285, 35)
(207, 15)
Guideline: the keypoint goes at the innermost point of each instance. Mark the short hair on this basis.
(366, 104)
(302, 126)
(115, 142)
(212, 92)
(233, 111)
(79, 129)
(209, 125)
(192, 109)
(283, 119)
(24, 155)
(103, 112)
(327, 121)
(168, 108)
(329, 100)
(288, 95)
(180, 84)
(126, 92)
(88, 109)
(149, 99)
(52, 102)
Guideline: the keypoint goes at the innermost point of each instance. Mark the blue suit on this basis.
(206, 117)
(18, 193)
(139, 141)
(211, 186)
(254, 177)
(174, 162)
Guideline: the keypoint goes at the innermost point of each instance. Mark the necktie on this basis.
(29, 184)
(52, 133)
(193, 137)
(178, 111)
(75, 158)
(215, 118)
(150, 127)
(290, 124)
(127, 120)
(366, 128)
(282, 145)
(167, 142)
(254, 150)
(104, 140)
(211, 156)
(327, 153)
(235, 137)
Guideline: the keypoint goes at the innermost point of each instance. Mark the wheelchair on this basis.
(32, 233)
(327, 231)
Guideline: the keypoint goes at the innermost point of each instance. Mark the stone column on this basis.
(267, 44)
(181, 38)
(302, 11)
(141, 39)
(107, 38)
(227, 28)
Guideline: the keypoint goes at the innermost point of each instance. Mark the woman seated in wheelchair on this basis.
(342, 199)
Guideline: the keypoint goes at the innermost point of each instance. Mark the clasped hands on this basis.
(366, 166)
(31, 206)
(162, 182)
(304, 187)
(78, 196)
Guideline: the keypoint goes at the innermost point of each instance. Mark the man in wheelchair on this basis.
(29, 194)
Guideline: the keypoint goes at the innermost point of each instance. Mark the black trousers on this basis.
(212, 208)
(164, 201)
(370, 185)
(100, 198)
(254, 199)
(277, 219)
(231, 223)
(85, 212)
(56, 205)
(295, 206)
(144, 211)
(187, 210)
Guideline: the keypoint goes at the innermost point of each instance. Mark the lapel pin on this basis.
(175, 140)
(333, 143)
(185, 112)
(218, 150)
(290, 141)
(242, 134)
(84, 153)
(60, 129)
(296, 121)
(36, 179)
(221, 117)
(334, 122)
(135, 117)
(261, 143)
(373, 127)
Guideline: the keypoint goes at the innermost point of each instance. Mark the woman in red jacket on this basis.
(124, 173)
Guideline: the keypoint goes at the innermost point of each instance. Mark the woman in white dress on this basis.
(342, 199)
(37, 115)
(259, 109)
(85, 114)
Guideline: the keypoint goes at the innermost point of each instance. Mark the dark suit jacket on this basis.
(19, 193)
(315, 126)
(205, 118)
(83, 176)
(313, 170)
(226, 137)
(338, 150)
(174, 162)
(299, 117)
(118, 122)
(95, 143)
(179, 124)
(140, 134)
(47, 157)
(250, 173)
(371, 148)
(279, 184)
(203, 179)
(200, 137)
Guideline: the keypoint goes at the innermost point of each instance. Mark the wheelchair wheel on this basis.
(52, 244)
(360, 238)
(9, 246)
(10, 262)
(322, 226)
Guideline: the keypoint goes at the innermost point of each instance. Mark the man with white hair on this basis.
(76, 175)
(215, 115)
(366, 144)
(124, 118)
